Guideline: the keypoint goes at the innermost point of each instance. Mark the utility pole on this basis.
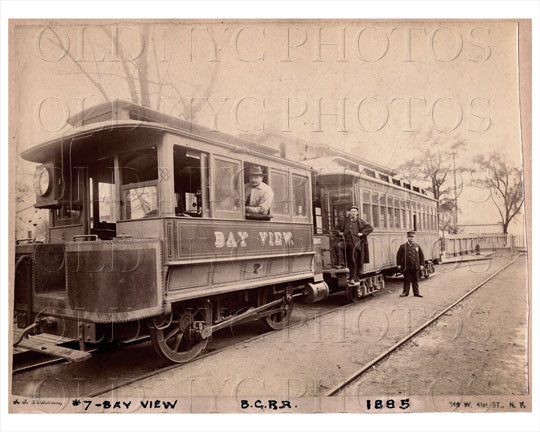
(455, 189)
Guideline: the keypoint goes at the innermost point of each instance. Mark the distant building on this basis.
(297, 149)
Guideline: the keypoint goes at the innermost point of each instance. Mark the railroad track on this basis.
(43, 361)
(117, 385)
(215, 352)
(336, 389)
(208, 354)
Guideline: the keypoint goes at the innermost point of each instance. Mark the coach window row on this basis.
(231, 191)
(149, 183)
(391, 212)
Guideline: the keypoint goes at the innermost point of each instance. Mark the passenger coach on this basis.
(148, 233)
(392, 206)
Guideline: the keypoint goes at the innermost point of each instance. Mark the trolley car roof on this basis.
(123, 115)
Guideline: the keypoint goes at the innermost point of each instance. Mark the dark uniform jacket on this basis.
(410, 257)
(360, 243)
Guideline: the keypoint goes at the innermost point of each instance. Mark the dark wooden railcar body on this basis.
(147, 225)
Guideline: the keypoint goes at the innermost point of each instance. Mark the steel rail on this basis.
(389, 351)
(211, 353)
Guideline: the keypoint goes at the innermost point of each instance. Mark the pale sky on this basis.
(458, 77)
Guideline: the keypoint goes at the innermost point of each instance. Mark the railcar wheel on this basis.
(352, 293)
(182, 338)
(280, 319)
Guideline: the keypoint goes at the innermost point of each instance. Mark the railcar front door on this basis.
(340, 202)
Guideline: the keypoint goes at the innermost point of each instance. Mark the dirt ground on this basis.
(479, 347)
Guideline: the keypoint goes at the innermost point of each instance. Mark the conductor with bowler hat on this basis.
(355, 231)
(410, 259)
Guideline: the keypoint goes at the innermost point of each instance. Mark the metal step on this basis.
(40, 346)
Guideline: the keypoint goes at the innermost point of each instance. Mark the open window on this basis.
(102, 209)
(71, 182)
(260, 203)
(190, 169)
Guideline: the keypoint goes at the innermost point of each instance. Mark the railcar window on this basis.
(279, 182)
(366, 213)
(376, 210)
(397, 220)
(103, 203)
(141, 200)
(376, 216)
(226, 180)
(102, 198)
(340, 201)
(73, 192)
(384, 212)
(391, 222)
(66, 215)
(139, 183)
(366, 207)
(300, 195)
(189, 166)
(403, 214)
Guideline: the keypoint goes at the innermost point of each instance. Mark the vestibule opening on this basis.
(102, 205)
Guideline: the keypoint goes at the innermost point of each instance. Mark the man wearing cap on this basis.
(410, 259)
(259, 195)
(355, 231)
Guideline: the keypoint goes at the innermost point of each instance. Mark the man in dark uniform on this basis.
(355, 231)
(410, 259)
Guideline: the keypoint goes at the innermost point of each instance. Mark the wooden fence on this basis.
(464, 244)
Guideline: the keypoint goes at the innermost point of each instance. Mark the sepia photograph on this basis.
(269, 216)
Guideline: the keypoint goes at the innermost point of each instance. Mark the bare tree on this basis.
(432, 163)
(505, 184)
(146, 77)
(27, 217)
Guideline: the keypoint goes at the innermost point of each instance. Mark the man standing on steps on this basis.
(355, 231)
(410, 259)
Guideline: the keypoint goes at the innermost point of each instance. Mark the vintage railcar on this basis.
(148, 234)
(392, 206)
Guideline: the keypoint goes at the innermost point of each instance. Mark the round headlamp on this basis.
(42, 180)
